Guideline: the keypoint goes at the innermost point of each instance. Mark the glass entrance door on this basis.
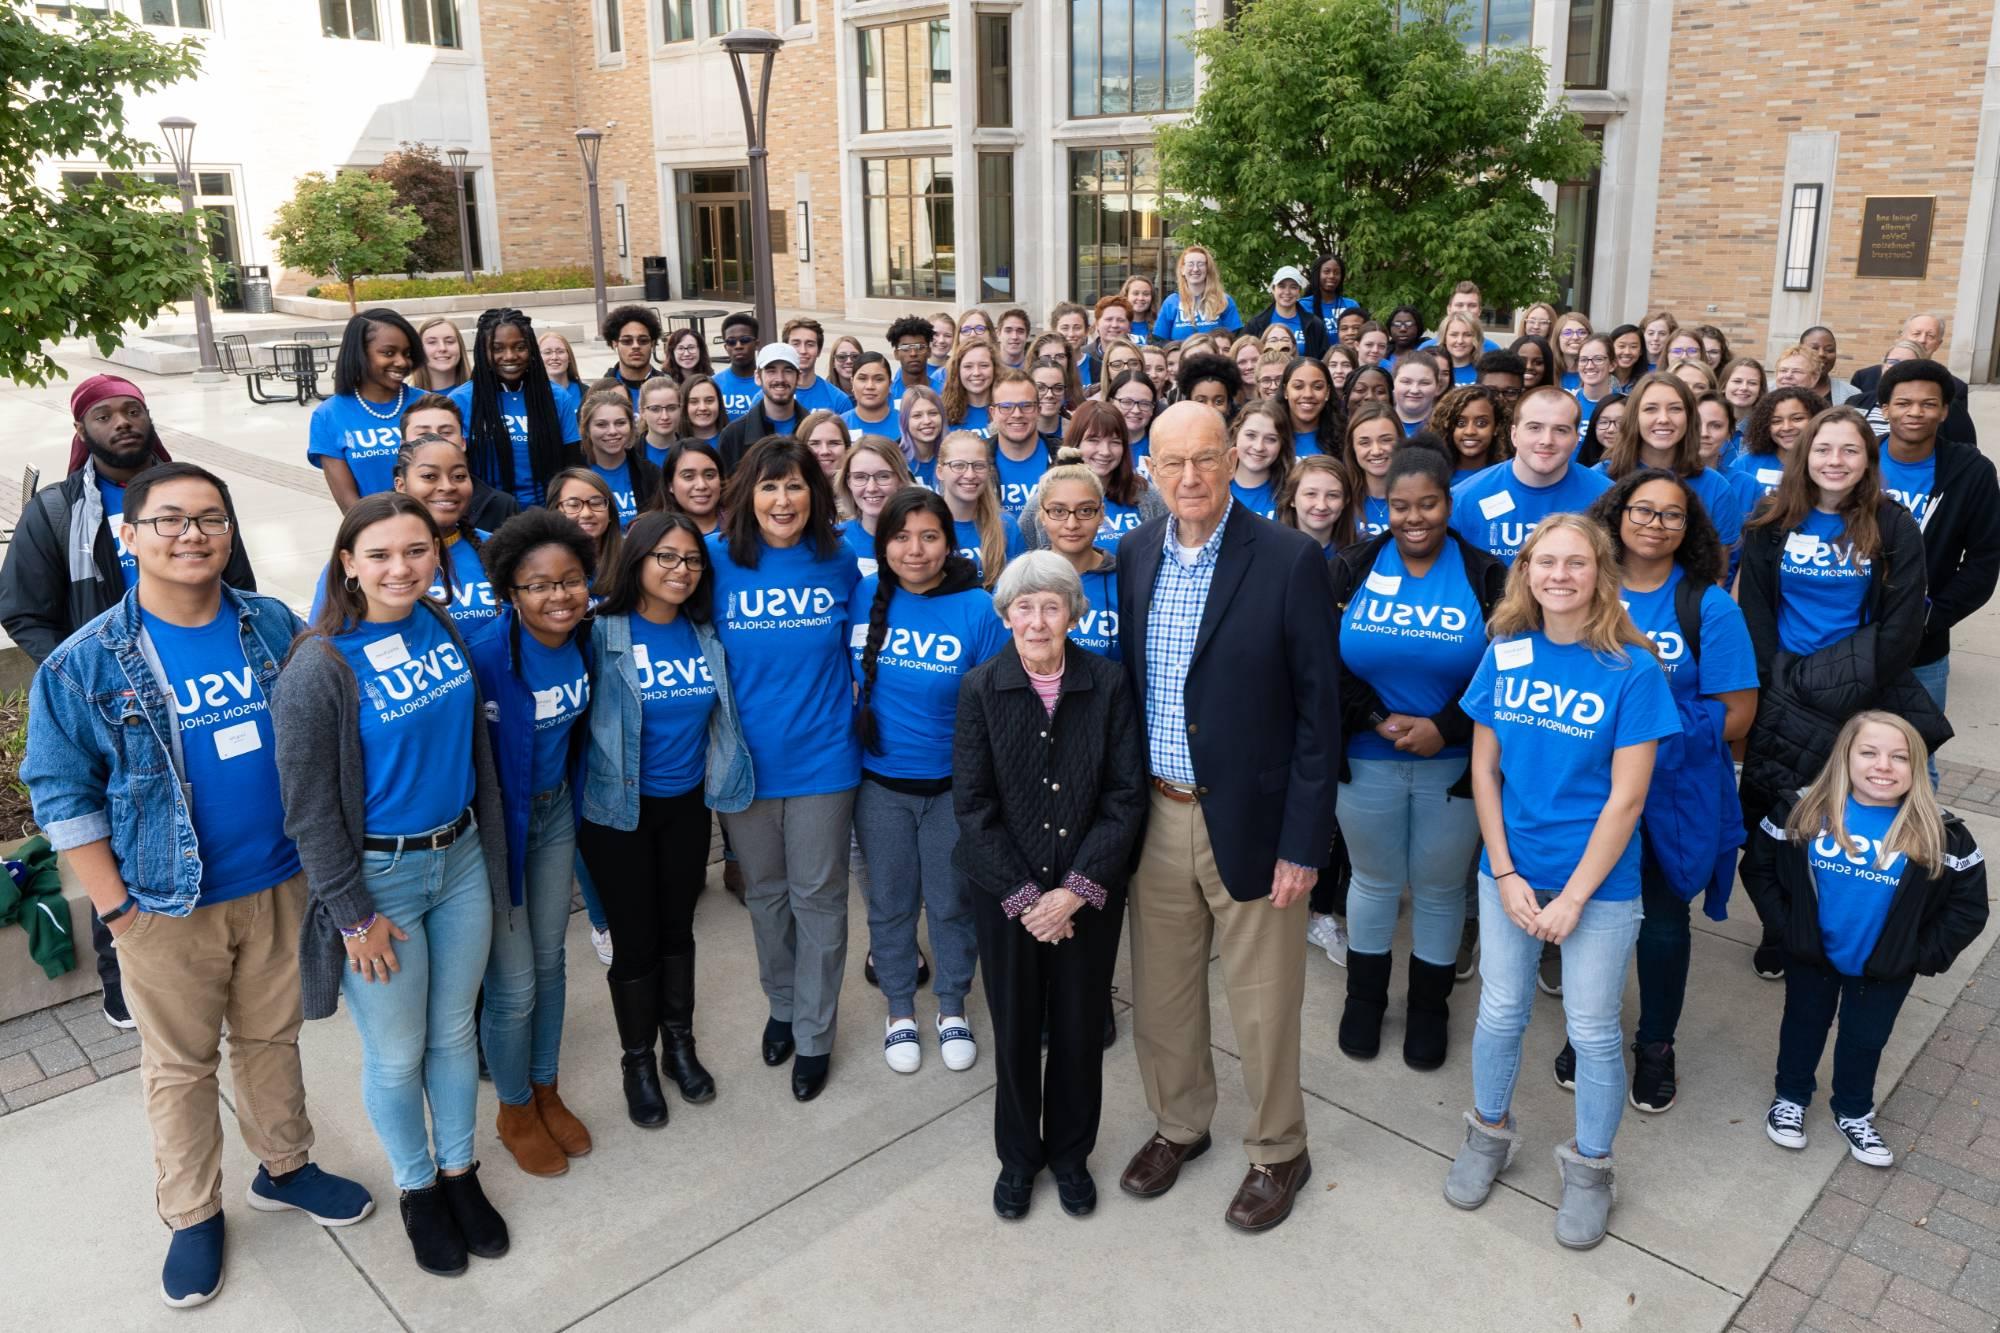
(715, 233)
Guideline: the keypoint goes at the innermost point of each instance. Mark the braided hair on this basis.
(489, 449)
(895, 517)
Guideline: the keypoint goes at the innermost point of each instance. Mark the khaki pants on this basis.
(185, 977)
(1179, 907)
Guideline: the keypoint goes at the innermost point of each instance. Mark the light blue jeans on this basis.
(1402, 828)
(521, 1025)
(908, 842)
(416, 1028)
(1595, 959)
(1933, 677)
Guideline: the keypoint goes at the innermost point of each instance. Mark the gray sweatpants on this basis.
(793, 851)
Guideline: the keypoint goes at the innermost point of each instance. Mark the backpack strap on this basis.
(1687, 610)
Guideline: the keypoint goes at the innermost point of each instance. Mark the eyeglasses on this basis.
(176, 525)
(913, 347)
(1171, 468)
(859, 480)
(846, 358)
(636, 342)
(1572, 335)
(596, 504)
(1085, 513)
(673, 560)
(1009, 409)
(739, 342)
(550, 589)
(1134, 404)
(1670, 520)
(1593, 361)
(969, 467)
(1503, 392)
(972, 331)
(1049, 391)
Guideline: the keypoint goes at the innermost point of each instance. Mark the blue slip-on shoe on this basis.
(193, 1271)
(330, 1200)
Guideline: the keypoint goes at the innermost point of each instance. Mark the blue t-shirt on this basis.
(361, 436)
(862, 542)
(966, 533)
(562, 693)
(934, 377)
(113, 496)
(619, 479)
(514, 414)
(569, 401)
(1495, 510)
(975, 419)
(1822, 585)
(1719, 495)
(1588, 408)
(1097, 628)
(1727, 660)
(1328, 312)
(784, 625)
(1173, 326)
(780, 425)
(738, 392)
(1295, 324)
(1017, 480)
(1416, 641)
(1373, 520)
(230, 757)
(1259, 500)
(1117, 521)
(658, 456)
(1464, 374)
(1909, 484)
(890, 427)
(416, 722)
(821, 396)
(1305, 443)
(1761, 474)
(1854, 889)
(469, 602)
(929, 645)
(1560, 713)
(676, 696)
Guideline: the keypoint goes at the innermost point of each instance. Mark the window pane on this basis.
(1509, 22)
(1180, 59)
(677, 20)
(157, 11)
(194, 13)
(996, 72)
(333, 18)
(1589, 43)
(1083, 52)
(871, 78)
(1149, 31)
(417, 21)
(996, 226)
(212, 183)
(937, 96)
(614, 27)
(444, 22)
(1118, 54)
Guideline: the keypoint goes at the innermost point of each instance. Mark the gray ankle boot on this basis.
(1588, 1193)
(1488, 1151)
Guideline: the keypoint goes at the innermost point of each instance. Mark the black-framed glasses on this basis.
(1049, 391)
(643, 340)
(673, 560)
(1084, 513)
(1670, 520)
(551, 588)
(577, 504)
(1009, 409)
(176, 525)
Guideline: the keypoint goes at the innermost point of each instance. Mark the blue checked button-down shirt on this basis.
(1173, 622)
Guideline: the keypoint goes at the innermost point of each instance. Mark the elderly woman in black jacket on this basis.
(1048, 785)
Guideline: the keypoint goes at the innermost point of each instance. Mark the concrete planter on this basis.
(23, 988)
(316, 307)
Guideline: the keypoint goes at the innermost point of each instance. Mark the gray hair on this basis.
(1039, 571)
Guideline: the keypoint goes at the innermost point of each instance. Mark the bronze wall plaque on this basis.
(1896, 236)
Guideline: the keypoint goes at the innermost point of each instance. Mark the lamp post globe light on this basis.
(457, 156)
(758, 42)
(178, 131)
(588, 143)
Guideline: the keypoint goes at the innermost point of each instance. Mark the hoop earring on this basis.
(351, 583)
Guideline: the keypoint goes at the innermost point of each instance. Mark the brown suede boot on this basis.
(563, 1127)
(524, 1134)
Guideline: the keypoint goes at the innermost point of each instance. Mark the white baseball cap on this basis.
(777, 354)
(1290, 272)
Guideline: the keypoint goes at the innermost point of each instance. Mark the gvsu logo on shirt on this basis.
(1921, 507)
(1864, 854)
(399, 688)
(670, 677)
(1014, 495)
(781, 608)
(1374, 613)
(216, 696)
(375, 441)
(1508, 538)
(1823, 559)
(558, 703)
(1544, 703)
(465, 595)
(1098, 626)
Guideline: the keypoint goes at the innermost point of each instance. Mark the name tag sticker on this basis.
(859, 637)
(385, 653)
(1493, 506)
(548, 704)
(1801, 546)
(1770, 476)
(1514, 653)
(239, 739)
(1387, 585)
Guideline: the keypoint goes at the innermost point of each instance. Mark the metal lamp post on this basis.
(178, 131)
(588, 142)
(457, 156)
(758, 42)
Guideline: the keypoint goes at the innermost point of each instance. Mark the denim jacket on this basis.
(104, 745)
(611, 788)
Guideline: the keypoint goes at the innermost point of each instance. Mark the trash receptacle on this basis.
(257, 289)
(658, 285)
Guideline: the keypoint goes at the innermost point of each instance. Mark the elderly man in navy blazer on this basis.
(1228, 636)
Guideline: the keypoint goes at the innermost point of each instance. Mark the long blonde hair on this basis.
(570, 375)
(596, 401)
(1214, 300)
(420, 378)
(881, 447)
(1917, 832)
(1607, 629)
(985, 510)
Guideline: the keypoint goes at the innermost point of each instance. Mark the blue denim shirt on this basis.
(104, 746)
(611, 787)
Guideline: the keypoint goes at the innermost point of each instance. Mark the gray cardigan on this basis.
(316, 713)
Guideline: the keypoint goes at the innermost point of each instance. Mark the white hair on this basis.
(1039, 571)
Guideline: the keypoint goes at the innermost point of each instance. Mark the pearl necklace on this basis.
(395, 411)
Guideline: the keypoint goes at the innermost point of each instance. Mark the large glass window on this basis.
(906, 76)
(610, 27)
(996, 227)
(1576, 232)
(175, 13)
(431, 22)
(1588, 63)
(349, 19)
(676, 20)
(1802, 239)
(996, 70)
(724, 17)
(907, 216)
(1116, 228)
(1130, 56)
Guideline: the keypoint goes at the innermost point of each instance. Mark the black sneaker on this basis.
(1566, 1067)
(1769, 961)
(115, 1012)
(1653, 1087)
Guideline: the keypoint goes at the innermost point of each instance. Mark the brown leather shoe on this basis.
(525, 1136)
(1267, 1194)
(732, 879)
(562, 1124)
(1155, 1167)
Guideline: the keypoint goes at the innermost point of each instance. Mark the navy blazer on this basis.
(1263, 692)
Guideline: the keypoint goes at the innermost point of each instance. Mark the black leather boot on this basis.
(1367, 1001)
(433, 1234)
(478, 1221)
(1425, 1034)
(635, 1004)
(677, 1055)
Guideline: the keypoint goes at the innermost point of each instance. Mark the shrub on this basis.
(519, 280)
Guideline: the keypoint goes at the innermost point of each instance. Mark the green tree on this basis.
(1333, 125)
(83, 261)
(344, 228)
(425, 183)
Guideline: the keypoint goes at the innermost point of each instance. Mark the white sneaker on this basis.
(1326, 933)
(1864, 1145)
(600, 940)
(1785, 1122)
(955, 1042)
(901, 1046)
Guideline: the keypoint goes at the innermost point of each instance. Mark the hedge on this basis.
(519, 280)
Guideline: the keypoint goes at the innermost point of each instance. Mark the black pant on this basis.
(1047, 1118)
(1867, 1009)
(648, 880)
(107, 957)
(1666, 943)
(1329, 891)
